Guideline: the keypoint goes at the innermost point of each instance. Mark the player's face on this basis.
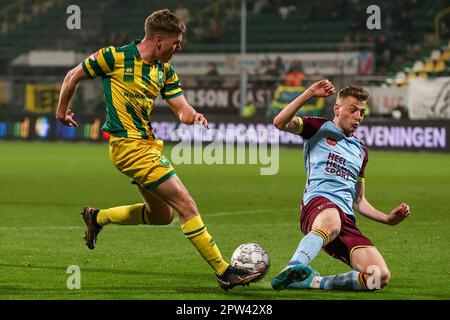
(349, 113)
(168, 46)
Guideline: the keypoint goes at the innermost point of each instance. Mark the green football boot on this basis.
(305, 284)
(290, 274)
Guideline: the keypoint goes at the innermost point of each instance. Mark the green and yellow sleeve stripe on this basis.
(100, 63)
(172, 87)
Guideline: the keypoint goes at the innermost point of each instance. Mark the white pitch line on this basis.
(175, 222)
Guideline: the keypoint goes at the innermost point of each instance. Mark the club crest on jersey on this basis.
(160, 78)
(331, 141)
(164, 161)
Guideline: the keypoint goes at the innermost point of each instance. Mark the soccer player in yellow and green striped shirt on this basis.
(133, 76)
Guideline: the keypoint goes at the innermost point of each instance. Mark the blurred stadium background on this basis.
(289, 44)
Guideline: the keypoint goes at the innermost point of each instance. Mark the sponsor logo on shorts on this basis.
(324, 206)
(164, 161)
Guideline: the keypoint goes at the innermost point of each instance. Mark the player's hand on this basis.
(200, 119)
(67, 118)
(398, 214)
(322, 88)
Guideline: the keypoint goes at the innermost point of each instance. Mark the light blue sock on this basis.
(307, 250)
(351, 281)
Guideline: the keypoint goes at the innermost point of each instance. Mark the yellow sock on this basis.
(197, 233)
(130, 215)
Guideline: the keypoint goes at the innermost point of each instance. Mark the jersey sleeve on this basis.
(100, 63)
(363, 167)
(308, 126)
(172, 86)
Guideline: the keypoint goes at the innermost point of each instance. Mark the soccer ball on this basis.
(251, 257)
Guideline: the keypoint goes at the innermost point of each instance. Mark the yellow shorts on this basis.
(141, 160)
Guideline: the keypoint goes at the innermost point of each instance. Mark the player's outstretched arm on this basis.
(68, 88)
(185, 112)
(363, 206)
(286, 120)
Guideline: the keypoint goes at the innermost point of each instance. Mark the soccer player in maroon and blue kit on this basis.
(335, 163)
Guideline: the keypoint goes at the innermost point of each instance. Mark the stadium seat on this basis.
(418, 66)
(423, 74)
(411, 74)
(429, 66)
(439, 67)
(435, 55)
(446, 55)
(400, 78)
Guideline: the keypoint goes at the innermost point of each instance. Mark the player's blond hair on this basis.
(359, 93)
(163, 21)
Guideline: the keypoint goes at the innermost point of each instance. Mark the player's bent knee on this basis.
(331, 224)
(332, 230)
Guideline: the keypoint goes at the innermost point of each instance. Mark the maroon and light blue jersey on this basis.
(333, 161)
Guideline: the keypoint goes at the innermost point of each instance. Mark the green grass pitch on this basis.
(44, 186)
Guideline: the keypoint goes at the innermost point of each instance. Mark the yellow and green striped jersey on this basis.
(130, 88)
